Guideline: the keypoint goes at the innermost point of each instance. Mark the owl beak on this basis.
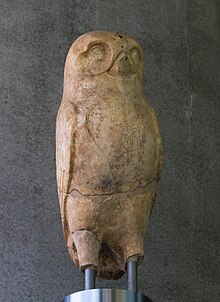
(122, 66)
(125, 66)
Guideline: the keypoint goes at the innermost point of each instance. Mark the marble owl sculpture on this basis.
(108, 153)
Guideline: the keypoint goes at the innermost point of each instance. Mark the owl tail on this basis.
(110, 266)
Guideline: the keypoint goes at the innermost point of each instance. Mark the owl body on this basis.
(113, 150)
(108, 153)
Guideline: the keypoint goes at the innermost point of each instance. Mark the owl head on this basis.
(110, 53)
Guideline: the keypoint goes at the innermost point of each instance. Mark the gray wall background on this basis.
(181, 41)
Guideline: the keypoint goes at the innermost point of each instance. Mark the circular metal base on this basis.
(106, 295)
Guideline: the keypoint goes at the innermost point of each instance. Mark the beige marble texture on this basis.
(108, 153)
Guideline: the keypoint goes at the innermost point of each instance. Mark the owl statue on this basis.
(108, 153)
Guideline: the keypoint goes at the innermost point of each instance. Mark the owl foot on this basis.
(88, 248)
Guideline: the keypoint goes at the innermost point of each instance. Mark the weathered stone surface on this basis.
(109, 154)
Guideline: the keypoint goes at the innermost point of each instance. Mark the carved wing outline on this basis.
(65, 153)
(159, 165)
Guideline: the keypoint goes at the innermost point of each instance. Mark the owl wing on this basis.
(160, 154)
(159, 164)
(65, 151)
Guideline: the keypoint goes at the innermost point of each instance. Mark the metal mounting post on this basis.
(132, 271)
(90, 275)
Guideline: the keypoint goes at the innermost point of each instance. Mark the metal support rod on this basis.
(90, 275)
(132, 272)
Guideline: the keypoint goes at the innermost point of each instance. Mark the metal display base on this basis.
(106, 295)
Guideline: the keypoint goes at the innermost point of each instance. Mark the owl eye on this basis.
(135, 56)
(97, 52)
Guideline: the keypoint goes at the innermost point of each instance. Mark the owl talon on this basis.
(88, 248)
